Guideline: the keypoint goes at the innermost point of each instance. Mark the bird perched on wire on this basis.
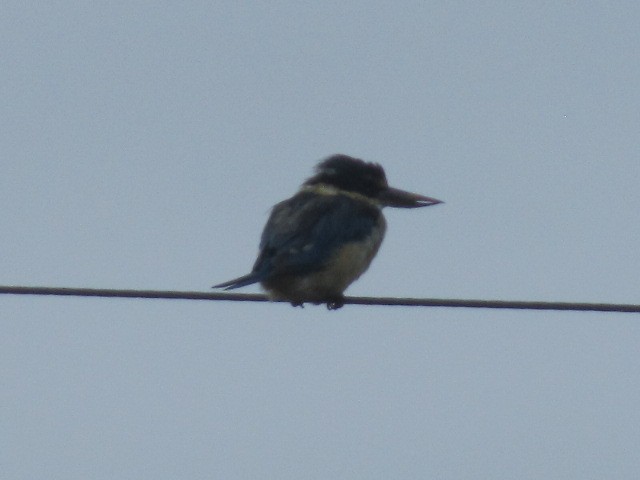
(316, 243)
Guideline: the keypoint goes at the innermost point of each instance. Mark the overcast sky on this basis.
(143, 144)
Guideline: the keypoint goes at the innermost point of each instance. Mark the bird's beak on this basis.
(393, 197)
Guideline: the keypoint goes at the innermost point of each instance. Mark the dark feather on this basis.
(304, 231)
(239, 282)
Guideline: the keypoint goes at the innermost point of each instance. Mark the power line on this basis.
(386, 301)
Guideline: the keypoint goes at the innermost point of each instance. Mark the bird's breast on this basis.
(353, 258)
(345, 264)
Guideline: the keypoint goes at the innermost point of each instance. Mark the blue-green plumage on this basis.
(302, 252)
(316, 243)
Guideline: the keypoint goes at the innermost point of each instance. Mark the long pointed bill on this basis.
(394, 197)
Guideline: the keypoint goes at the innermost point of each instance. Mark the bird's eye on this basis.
(375, 179)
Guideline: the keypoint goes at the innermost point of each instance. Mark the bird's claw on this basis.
(335, 304)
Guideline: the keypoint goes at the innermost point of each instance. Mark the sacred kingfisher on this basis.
(316, 243)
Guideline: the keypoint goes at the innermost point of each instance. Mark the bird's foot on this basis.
(297, 304)
(335, 303)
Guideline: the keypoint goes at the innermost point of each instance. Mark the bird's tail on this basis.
(248, 279)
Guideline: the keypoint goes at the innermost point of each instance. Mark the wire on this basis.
(387, 301)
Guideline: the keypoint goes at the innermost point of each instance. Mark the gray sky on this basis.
(143, 145)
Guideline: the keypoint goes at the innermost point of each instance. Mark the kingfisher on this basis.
(323, 238)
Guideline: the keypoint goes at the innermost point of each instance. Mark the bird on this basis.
(323, 238)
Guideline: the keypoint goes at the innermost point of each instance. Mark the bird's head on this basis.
(355, 176)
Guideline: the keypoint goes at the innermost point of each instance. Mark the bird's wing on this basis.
(303, 231)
